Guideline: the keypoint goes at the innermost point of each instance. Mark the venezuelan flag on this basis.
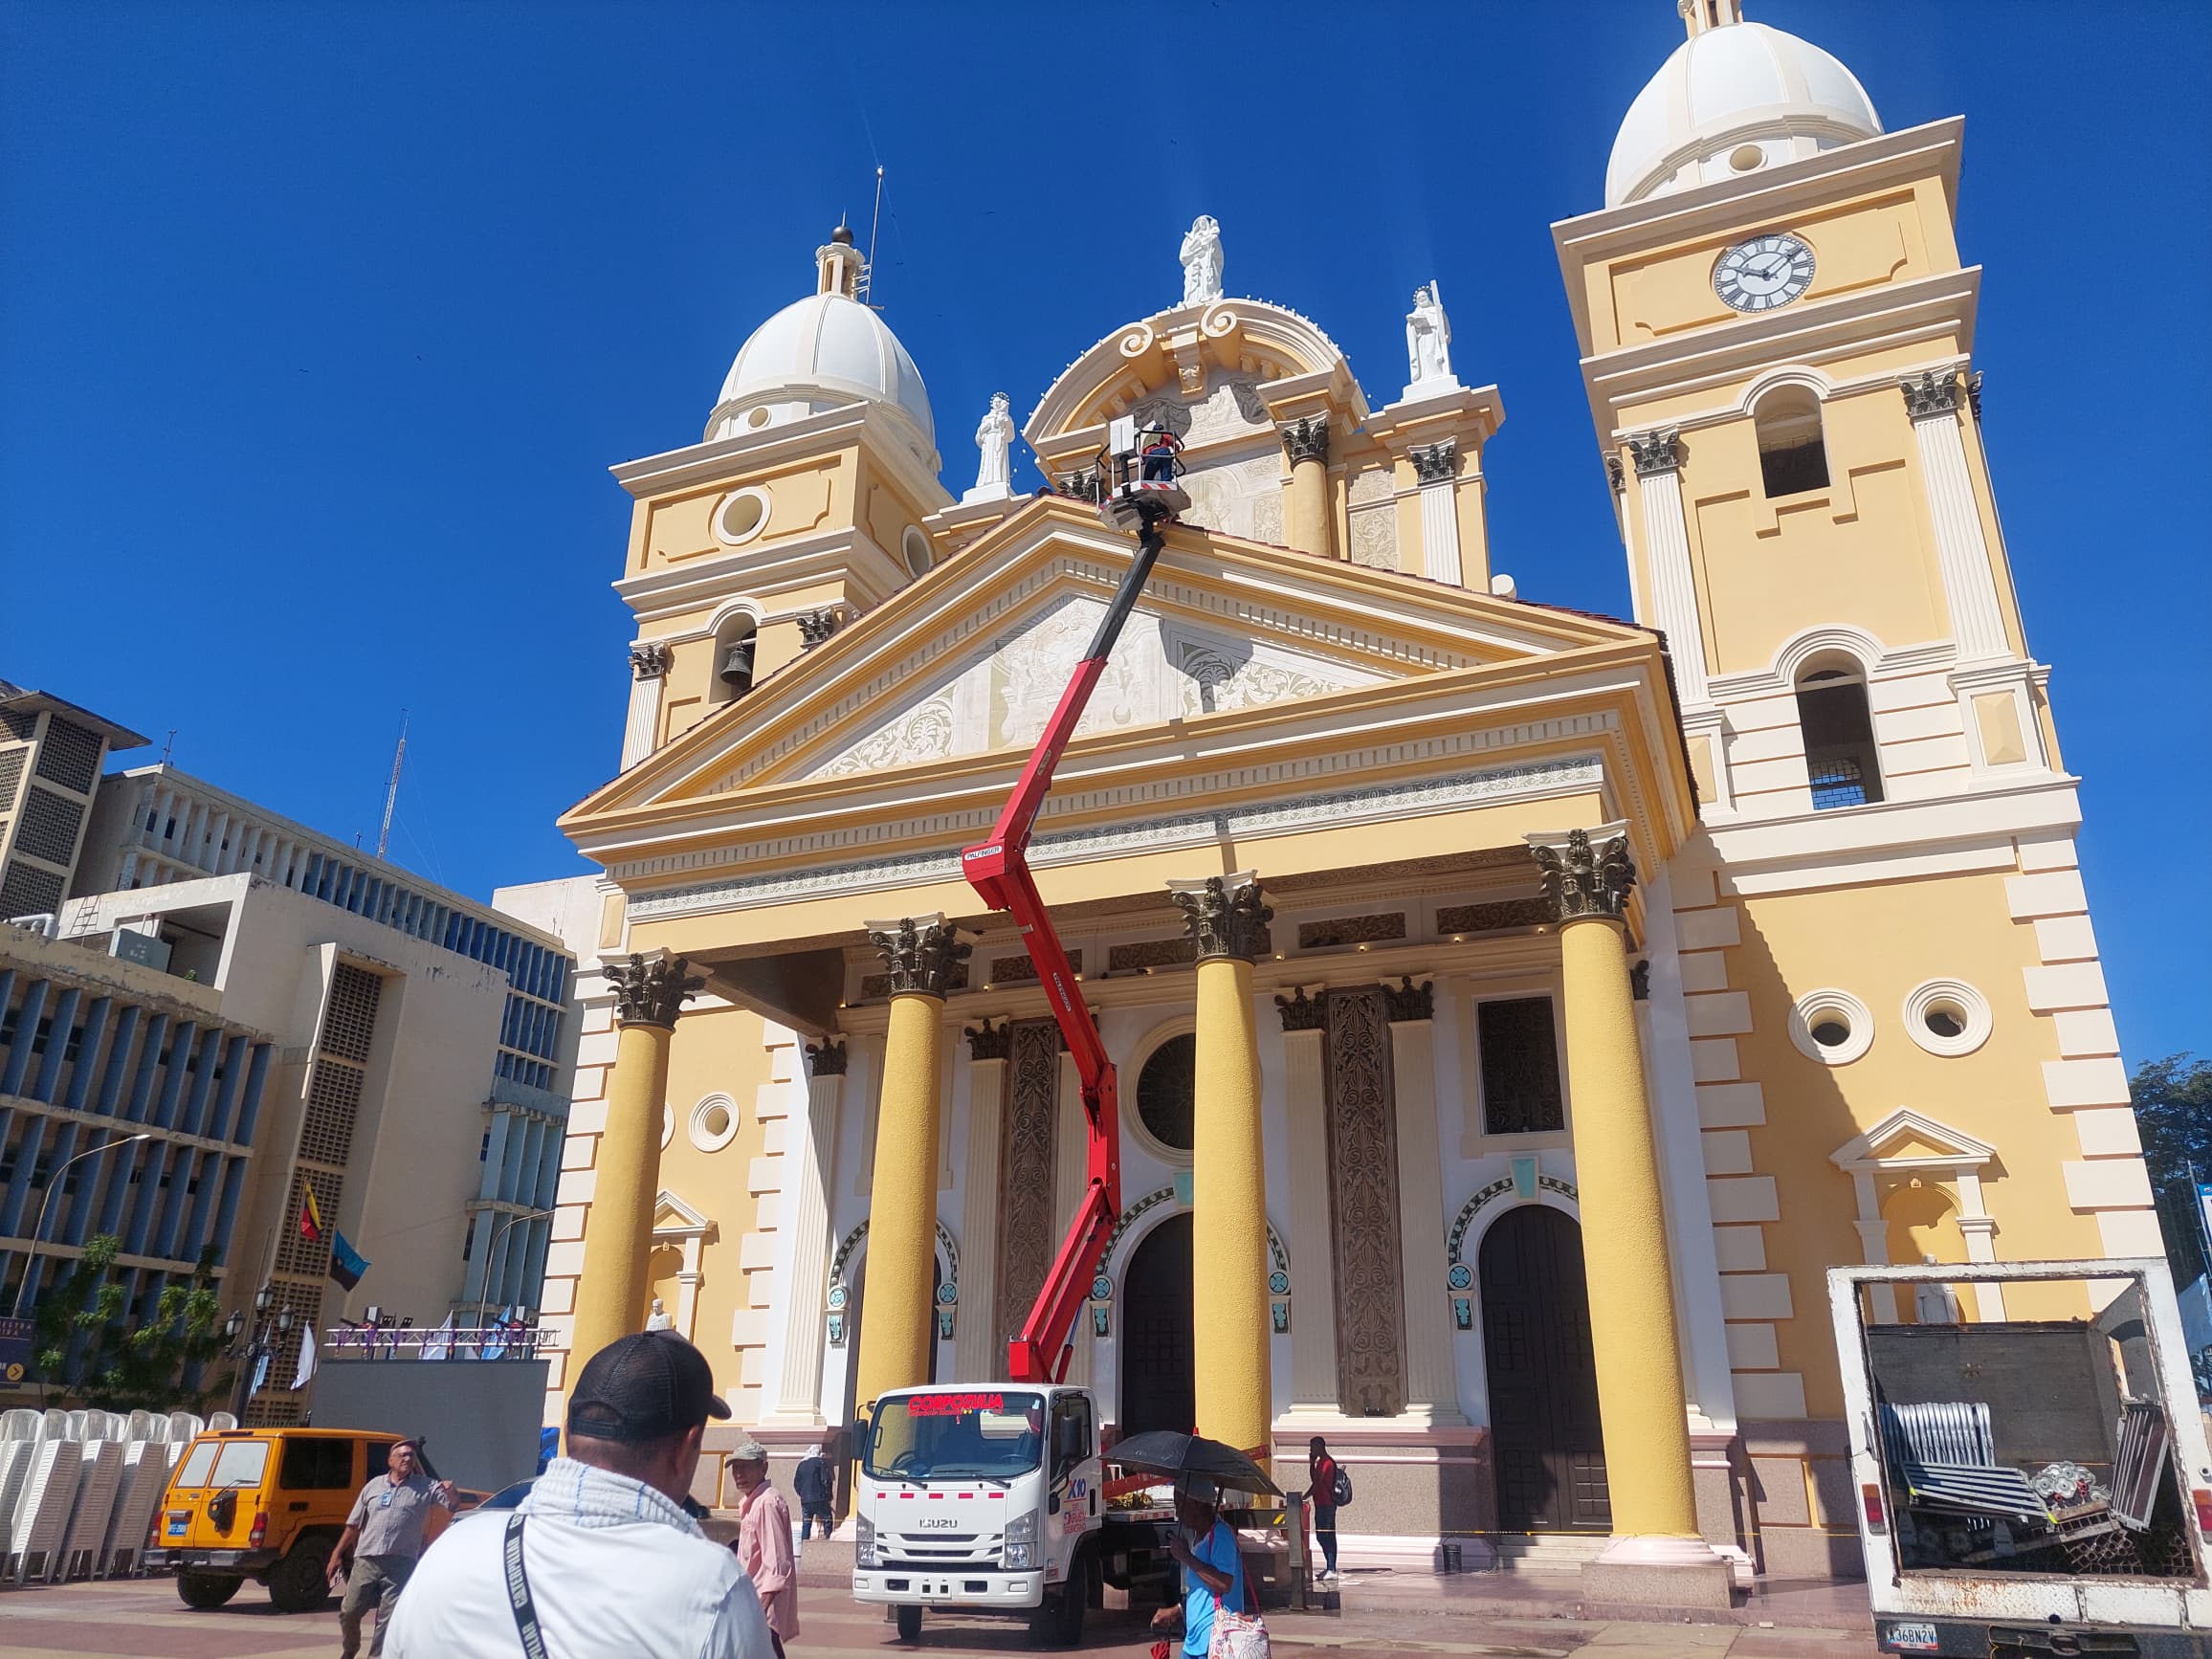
(311, 1218)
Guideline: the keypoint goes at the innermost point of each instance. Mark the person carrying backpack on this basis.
(1331, 1490)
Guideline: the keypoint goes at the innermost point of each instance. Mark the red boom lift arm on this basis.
(997, 869)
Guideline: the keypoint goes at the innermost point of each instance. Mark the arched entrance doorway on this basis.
(1159, 1357)
(1547, 1445)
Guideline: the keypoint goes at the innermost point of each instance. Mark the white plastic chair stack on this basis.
(42, 1511)
(145, 1476)
(20, 1431)
(185, 1428)
(78, 1420)
(220, 1422)
(100, 1474)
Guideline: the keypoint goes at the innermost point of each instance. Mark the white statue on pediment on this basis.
(1202, 261)
(995, 438)
(1428, 341)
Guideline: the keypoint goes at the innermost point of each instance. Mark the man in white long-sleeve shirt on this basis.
(600, 1560)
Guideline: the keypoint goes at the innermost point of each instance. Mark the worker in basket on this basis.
(1161, 449)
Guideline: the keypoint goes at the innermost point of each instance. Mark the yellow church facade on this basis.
(1571, 992)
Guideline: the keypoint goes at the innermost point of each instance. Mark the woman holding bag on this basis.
(1212, 1576)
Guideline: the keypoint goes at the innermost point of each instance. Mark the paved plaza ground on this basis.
(1475, 1614)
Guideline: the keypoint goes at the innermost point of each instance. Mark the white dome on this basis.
(823, 352)
(1726, 93)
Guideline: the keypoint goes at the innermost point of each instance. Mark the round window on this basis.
(1832, 1026)
(914, 545)
(1745, 157)
(1165, 1092)
(760, 417)
(742, 518)
(1947, 1017)
(713, 1123)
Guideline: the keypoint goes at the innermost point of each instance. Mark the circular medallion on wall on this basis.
(714, 1122)
(1461, 1278)
(743, 515)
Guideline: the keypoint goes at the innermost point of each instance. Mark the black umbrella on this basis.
(1164, 1451)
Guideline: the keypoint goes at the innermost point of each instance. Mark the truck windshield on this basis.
(969, 1434)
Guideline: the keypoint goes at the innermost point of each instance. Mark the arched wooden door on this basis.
(1159, 1358)
(1547, 1445)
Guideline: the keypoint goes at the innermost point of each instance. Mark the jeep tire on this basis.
(910, 1624)
(206, 1590)
(300, 1583)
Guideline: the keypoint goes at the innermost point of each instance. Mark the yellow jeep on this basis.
(267, 1504)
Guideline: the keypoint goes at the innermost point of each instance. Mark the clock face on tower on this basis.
(1764, 272)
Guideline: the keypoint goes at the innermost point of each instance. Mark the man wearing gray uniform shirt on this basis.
(383, 1534)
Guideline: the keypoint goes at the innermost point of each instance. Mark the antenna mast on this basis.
(392, 794)
(874, 223)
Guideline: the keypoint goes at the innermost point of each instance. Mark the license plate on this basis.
(177, 1525)
(1909, 1638)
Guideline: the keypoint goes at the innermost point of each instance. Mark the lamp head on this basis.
(235, 1324)
(284, 1322)
(262, 1298)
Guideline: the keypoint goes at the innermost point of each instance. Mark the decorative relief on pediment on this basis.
(1374, 532)
(1001, 699)
(1226, 498)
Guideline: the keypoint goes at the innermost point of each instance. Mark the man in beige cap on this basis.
(764, 1540)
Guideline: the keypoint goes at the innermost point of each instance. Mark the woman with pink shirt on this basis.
(764, 1542)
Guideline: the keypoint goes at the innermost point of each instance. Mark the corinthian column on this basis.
(1655, 1554)
(1962, 549)
(1306, 523)
(897, 1322)
(618, 1232)
(799, 1389)
(1437, 467)
(1229, 1178)
(1658, 459)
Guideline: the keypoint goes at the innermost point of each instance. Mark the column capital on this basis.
(826, 1058)
(652, 991)
(815, 627)
(1306, 439)
(1436, 463)
(1931, 393)
(1586, 872)
(1658, 451)
(920, 953)
(1223, 914)
(1409, 999)
(649, 661)
(1301, 1012)
(989, 1042)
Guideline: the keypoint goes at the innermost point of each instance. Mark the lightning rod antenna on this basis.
(392, 793)
(874, 224)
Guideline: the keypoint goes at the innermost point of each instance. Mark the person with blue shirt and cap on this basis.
(1212, 1571)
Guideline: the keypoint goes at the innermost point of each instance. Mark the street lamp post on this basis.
(54, 1186)
(491, 1258)
(262, 1347)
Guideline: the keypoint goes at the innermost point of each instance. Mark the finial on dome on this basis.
(838, 266)
(1704, 14)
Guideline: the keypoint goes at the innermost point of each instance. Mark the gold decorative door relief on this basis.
(1364, 1200)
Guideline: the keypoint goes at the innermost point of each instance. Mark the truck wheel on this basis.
(910, 1624)
(1058, 1621)
(206, 1590)
(297, 1583)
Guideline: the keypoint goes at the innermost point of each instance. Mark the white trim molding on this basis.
(1951, 1152)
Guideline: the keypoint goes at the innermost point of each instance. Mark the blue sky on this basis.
(320, 327)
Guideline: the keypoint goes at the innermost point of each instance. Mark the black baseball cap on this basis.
(645, 1386)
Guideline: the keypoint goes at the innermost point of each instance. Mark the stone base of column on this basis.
(1659, 1572)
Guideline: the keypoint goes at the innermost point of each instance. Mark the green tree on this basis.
(161, 1365)
(2173, 1101)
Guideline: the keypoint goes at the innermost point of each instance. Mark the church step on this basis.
(1548, 1552)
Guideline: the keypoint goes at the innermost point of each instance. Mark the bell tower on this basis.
(801, 507)
(1776, 338)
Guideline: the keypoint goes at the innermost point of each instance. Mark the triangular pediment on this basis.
(971, 659)
(1907, 1138)
(672, 1217)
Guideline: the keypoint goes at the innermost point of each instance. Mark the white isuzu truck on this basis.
(989, 1499)
(2031, 1468)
